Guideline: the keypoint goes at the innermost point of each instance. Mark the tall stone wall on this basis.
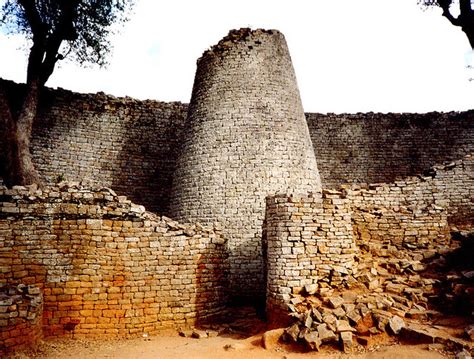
(375, 147)
(106, 267)
(121, 143)
(132, 145)
(246, 138)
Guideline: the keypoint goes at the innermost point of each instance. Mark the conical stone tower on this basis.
(246, 138)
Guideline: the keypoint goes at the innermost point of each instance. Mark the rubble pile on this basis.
(404, 292)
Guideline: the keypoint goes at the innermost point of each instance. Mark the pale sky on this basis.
(349, 55)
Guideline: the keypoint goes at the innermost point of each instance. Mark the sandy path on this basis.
(175, 347)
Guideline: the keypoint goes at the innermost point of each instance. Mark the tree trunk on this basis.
(19, 168)
(469, 31)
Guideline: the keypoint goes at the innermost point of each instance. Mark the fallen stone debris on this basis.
(416, 295)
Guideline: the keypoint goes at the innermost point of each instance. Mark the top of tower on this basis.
(236, 36)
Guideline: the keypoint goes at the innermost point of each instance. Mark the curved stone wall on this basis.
(105, 267)
(247, 138)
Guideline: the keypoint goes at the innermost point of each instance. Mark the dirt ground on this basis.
(171, 345)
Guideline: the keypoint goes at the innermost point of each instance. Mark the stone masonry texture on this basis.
(78, 258)
(132, 146)
(312, 243)
(104, 266)
(309, 243)
(375, 147)
(246, 138)
(122, 143)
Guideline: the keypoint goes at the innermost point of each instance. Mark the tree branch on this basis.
(444, 5)
(65, 30)
(37, 26)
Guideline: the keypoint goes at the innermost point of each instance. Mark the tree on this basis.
(56, 29)
(465, 19)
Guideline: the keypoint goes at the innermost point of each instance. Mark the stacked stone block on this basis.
(132, 145)
(121, 143)
(105, 266)
(21, 310)
(378, 147)
(310, 245)
(416, 212)
(247, 138)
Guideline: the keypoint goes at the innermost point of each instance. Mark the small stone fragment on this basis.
(396, 324)
(186, 333)
(212, 333)
(335, 302)
(228, 347)
(343, 326)
(339, 312)
(292, 332)
(312, 340)
(317, 316)
(329, 318)
(308, 322)
(464, 354)
(199, 334)
(346, 341)
(354, 317)
(325, 334)
(311, 289)
(470, 332)
(348, 307)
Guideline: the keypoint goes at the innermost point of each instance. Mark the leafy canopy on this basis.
(458, 12)
(83, 25)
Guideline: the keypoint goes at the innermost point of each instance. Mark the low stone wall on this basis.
(309, 245)
(105, 266)
(21, 309)
(417, 211)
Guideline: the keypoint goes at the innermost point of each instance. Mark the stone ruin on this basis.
(247, 220)
(247, 139)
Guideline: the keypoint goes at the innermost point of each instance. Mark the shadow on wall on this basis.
(146, 159)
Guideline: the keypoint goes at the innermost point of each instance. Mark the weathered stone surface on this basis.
(325, 335)
(185, 333)
(463, 354)
(346, 341)
(199, 334)
(312, 340)
(311, 289)
(335, 302)
(344, 326)
(470, 332)
(395, 324)
(103, 269)
(216, 181)
(292, 332)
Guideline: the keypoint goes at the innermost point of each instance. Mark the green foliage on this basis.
(84, 26)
